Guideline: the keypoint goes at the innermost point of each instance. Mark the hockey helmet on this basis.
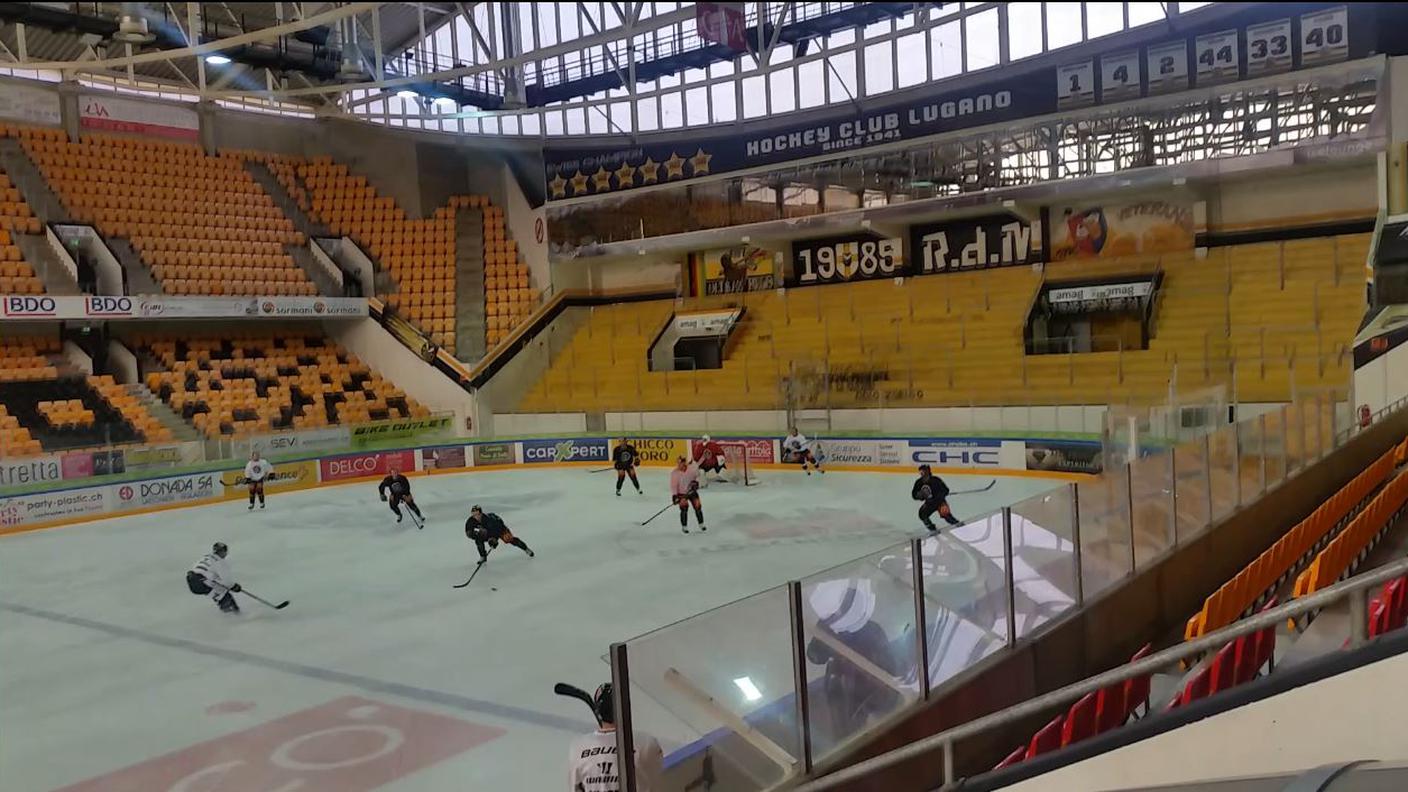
(220, 549)
(604, 702)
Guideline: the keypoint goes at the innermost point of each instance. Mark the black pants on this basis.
(684, 502)
(621, 474)
(397, 500)
(256, 488)
(197, 584)
(509, 539)
(941, 506)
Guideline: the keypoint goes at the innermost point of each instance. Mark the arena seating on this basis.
(419, 254)
(508, 295)
(16, 275)
(255, 383)
(1292, 552)
(201, 222)
(605, 362)
(1351, 546)
(1230, 308)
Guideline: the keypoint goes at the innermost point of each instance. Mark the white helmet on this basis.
(705, 438)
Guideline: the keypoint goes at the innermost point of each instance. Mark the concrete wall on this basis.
(377, 348)
(1352, 716)
(523, 222)
(1301, 196)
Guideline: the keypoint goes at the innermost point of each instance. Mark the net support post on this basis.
(921, 619)
(621, 703)
(1011, 583)
(799, 671)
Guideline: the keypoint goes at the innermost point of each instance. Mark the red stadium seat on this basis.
(1013, 758)
(1197, 688)
(1080, 721)
(1136, 690)
(1046, 740)
(1111, 709)
(1222, 674)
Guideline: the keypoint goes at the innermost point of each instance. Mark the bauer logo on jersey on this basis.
(575, 450)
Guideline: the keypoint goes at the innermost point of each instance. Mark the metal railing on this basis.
(1356, 590)
(801, 672)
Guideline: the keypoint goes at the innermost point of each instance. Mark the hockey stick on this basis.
(572, 691)
(602, 470)
(254, 596)
(974, 491)
(657, 514)
(471, 576)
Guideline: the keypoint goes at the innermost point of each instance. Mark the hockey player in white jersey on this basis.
(797, 448)
(255, 471)
(592, 765)
(684, 492)
(211, 576)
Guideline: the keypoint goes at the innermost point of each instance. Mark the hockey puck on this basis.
(491, 588)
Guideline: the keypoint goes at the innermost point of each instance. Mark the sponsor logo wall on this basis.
(1113, 230)
(704, 323)
(656, 450)
(887, 453)
(1064, 456)
(375, 463)
(31, 470)
(286, 476)
(155, 492)
(310, 441)
(114, 114)
(443, 458)
(397, 430)
(165, 307)
(494, 454)
(574, 450)
(967, 453)
(50, 506)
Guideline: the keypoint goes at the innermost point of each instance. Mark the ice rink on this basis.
(380, 675)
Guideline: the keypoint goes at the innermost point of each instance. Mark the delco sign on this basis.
(107, 307)
(39, 307)
(956, 453)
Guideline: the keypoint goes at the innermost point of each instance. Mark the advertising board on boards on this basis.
(570, 450)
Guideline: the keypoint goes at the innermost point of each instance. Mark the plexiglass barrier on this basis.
(757, 691)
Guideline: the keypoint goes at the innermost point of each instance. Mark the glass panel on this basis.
(1043, 558)
(1104, 530)
(1151, 494)
(1310, 417)
(1273, 439)
(1293, 426)
(861, 645)
(700, 680)
(1222, 470)
(965, 596)
(1190, 464)
(1253, 463)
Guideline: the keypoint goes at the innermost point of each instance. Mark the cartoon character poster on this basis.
(1114, 230)
(737, 269)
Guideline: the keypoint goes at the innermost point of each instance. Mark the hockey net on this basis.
(738, 468)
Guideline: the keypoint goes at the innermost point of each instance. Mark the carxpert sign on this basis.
(485, 454)
(967, 453)
(656, 450)
(177, 489)
(574, 450)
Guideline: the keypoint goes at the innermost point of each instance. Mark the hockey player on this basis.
(255, 471)
(684, 490)
(400, 488)
(592, 765)
(488, 528)
(933, 493)
(709, 455)
(625, 459)
(211, 575)
(797, 448)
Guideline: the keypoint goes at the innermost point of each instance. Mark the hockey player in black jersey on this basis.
(400, 488)
(625, 459)
(933, 492)
(487, 528)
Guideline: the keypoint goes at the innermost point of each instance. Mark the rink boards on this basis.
(77, 502)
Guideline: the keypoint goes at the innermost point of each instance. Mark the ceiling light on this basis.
(216, 59)
(446, 102)
(407, 93)
(750, 690)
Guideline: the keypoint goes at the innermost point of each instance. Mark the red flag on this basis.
(721, 23)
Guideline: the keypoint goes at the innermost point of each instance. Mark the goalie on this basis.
(709, 456)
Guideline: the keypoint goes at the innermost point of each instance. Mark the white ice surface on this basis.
(106, 660)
